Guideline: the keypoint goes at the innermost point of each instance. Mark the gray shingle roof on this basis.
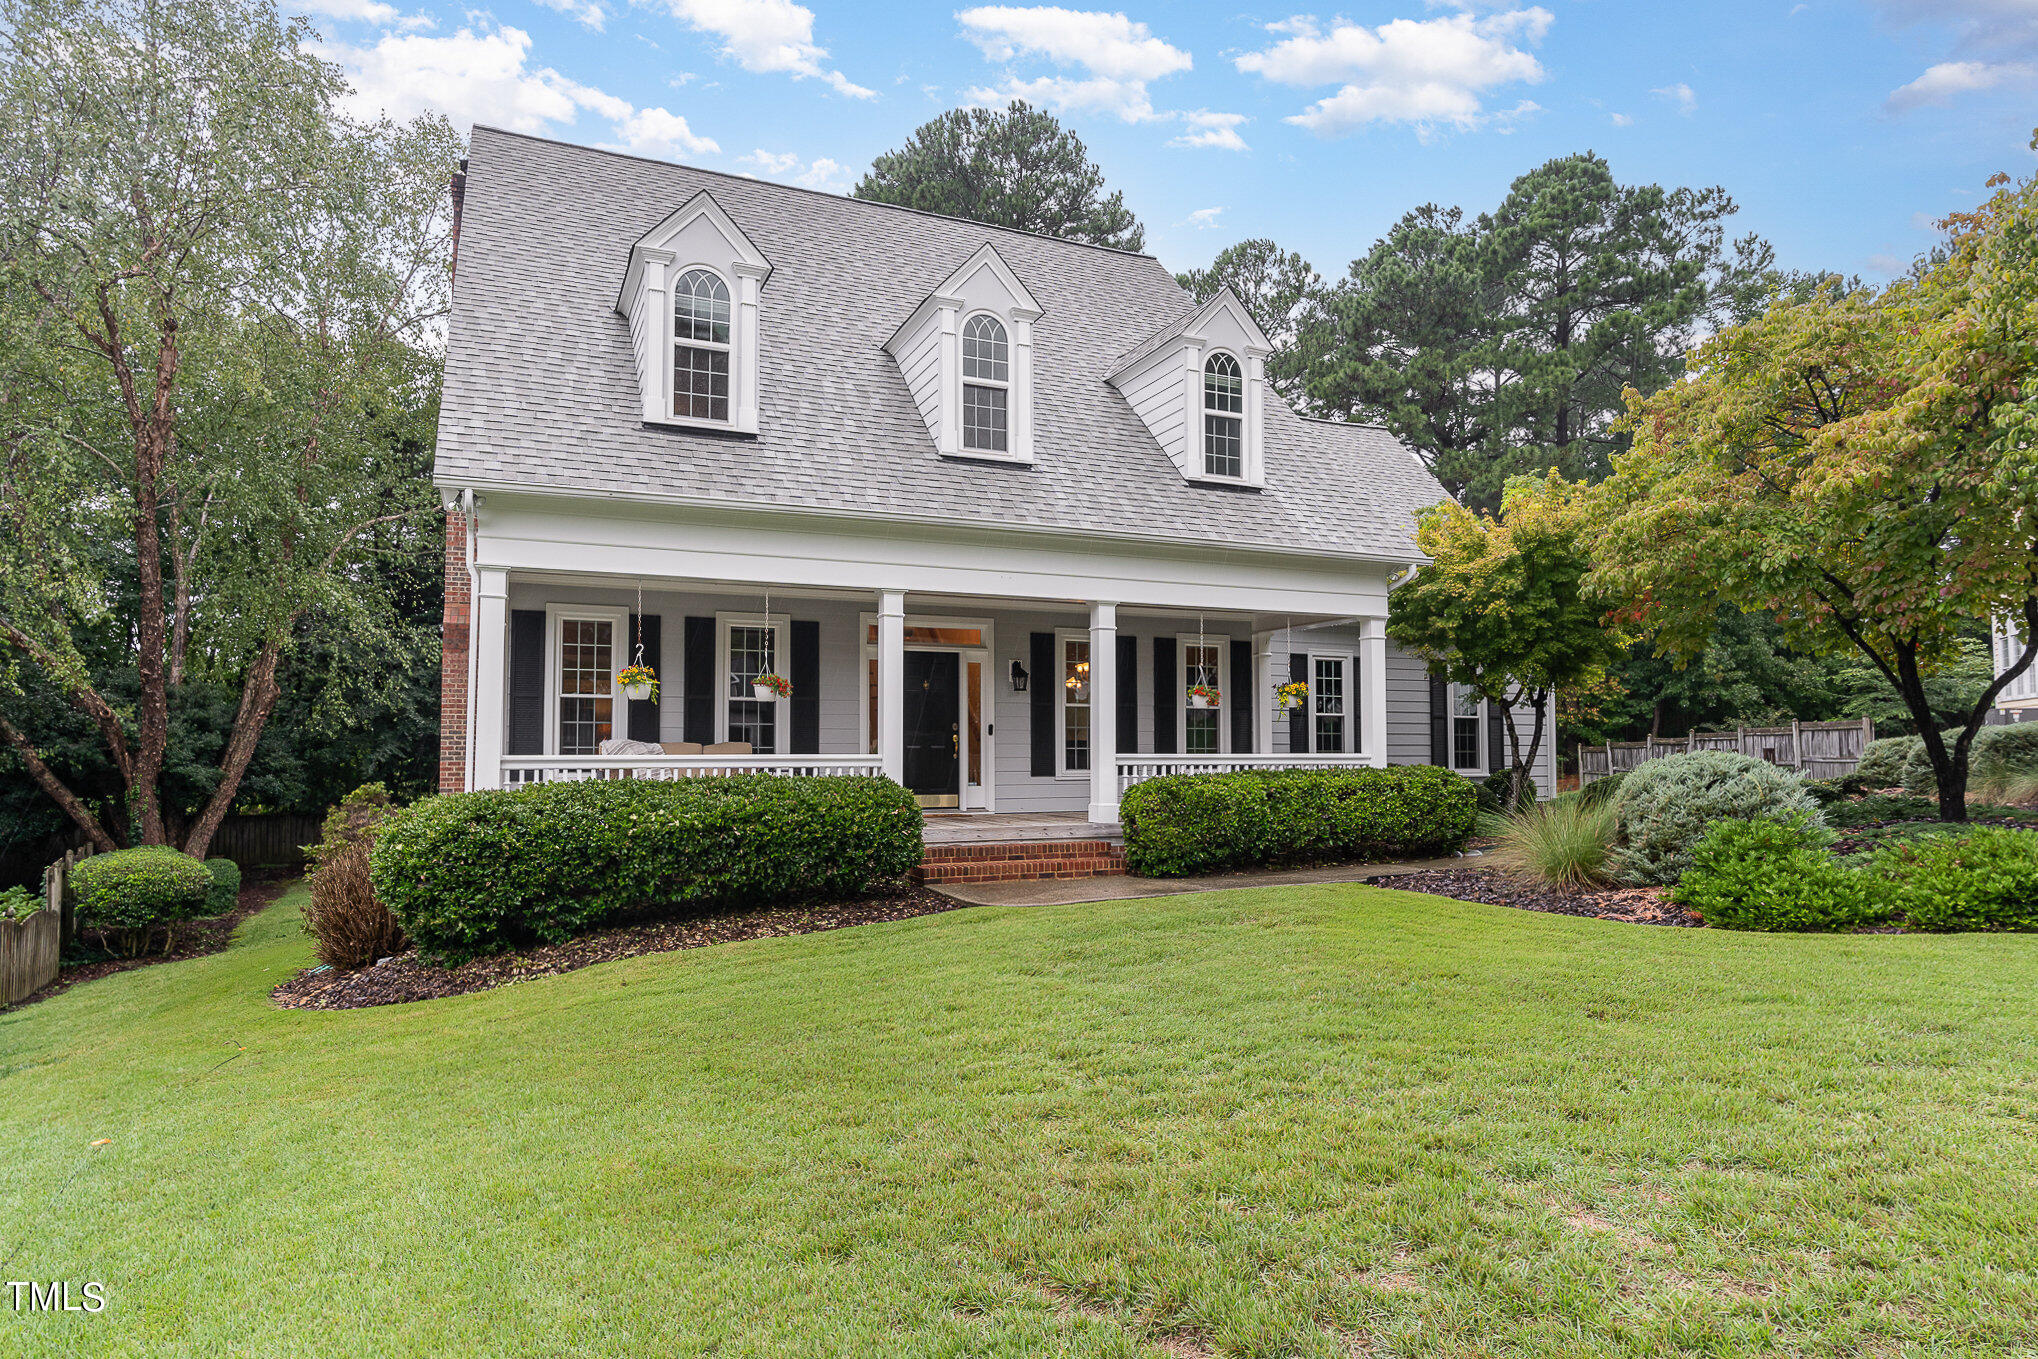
(541, 388)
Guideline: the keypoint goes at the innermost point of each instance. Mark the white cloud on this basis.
(1203, 218)
(1995, 43)
(484, 76)
(828, 175)
(766, 36)
(474, 77)
(1207, 129)
(363, 11)
(1679, 94)
(588, 12)
(1941, 84)
(661, 132)
(1427, 72)
(1120, 57)
(1622, 120)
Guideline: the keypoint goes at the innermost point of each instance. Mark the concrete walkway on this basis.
(1066, 891)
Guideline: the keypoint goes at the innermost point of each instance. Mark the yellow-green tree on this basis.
(1861, 464)
(1501, 607)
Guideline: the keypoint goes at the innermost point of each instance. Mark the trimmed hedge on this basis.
(1983, 879)
(1666, 805)
(1883, 760)
(1777, 875)
(1209, 823)
(226, 886)
(135, 890)
(475, 873)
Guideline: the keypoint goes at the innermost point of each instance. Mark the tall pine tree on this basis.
(1501, 345)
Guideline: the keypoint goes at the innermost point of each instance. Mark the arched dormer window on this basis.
(1223, 417)
(700, 346)
(986, 389)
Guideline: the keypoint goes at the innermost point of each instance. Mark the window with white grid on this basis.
(1223, 417)
(752, 651)
(1328, 687)
(1202, 663)
(586, 684)
(986, 375)
(700, 350)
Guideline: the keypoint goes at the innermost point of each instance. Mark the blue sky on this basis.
(1842, 129)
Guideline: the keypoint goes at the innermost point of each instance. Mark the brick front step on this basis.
(1017, 862)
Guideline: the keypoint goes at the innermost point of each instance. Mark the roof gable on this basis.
(698, 231)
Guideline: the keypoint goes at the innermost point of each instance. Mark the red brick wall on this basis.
(453, 661)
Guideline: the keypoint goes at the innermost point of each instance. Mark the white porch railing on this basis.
(1134, 769)
(521, 771)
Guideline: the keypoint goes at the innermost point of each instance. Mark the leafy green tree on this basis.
(1500, 345)
(1863, 465)
(1500, 606)
(1016, 167)
(219, 298)
(1277, 287)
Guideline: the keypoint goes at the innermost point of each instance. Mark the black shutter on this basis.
(1439, 720)
(1128, 695)
(1166, 702)
(1040, 703)
(805, 660)
(643, 719)
(526, 687)
(1298, 718)
(1240, 698)
(1496, 737)
(698, 712)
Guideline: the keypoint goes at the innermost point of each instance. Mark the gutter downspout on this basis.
(470, 520)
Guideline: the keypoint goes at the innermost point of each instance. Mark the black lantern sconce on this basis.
(1018, 678)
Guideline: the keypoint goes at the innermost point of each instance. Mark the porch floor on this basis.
(1013, 828)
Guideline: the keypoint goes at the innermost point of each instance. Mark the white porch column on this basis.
(1373, 691)
(1263, 693)
(891, 683)
(1104, 713)
(489, 681)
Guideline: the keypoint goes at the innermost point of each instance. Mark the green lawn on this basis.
(1287, 1121)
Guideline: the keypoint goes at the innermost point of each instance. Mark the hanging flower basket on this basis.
(1292, 695)
(771, 688)
(640, 683)
(1204, 696)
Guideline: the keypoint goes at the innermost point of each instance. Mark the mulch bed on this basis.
(195, 939)
(1858, 840)
(1630, 905)
(406, 977)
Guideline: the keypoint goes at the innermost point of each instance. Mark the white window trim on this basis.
(1351, 713)
(673, 345)
(1201, 459)
(1451, 743)
(555, 614)
(1009, 387)
(1222, 641)
(1062, 637)
(781, 638)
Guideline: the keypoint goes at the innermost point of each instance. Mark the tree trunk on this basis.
(258, 699)
(46, 779)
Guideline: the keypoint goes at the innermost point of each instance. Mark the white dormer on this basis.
(691, 294)
(967, 354)
(1199, 386)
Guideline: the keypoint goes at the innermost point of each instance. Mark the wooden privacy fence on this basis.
(266, 840)
(32, 948)
(1819, 750)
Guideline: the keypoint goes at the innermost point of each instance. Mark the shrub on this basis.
(1206, 823)
(349, 925)
(1919, 778)
(1866, 811)
(1882, 761)
(1602, 792)
(130, 893)
(474, 873)
(1775, 874)
(1566, 841)
(2005, 763)
(1982, 879)
(1494, 788)
(1667, 804)
(225, 891)
(18, 903)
